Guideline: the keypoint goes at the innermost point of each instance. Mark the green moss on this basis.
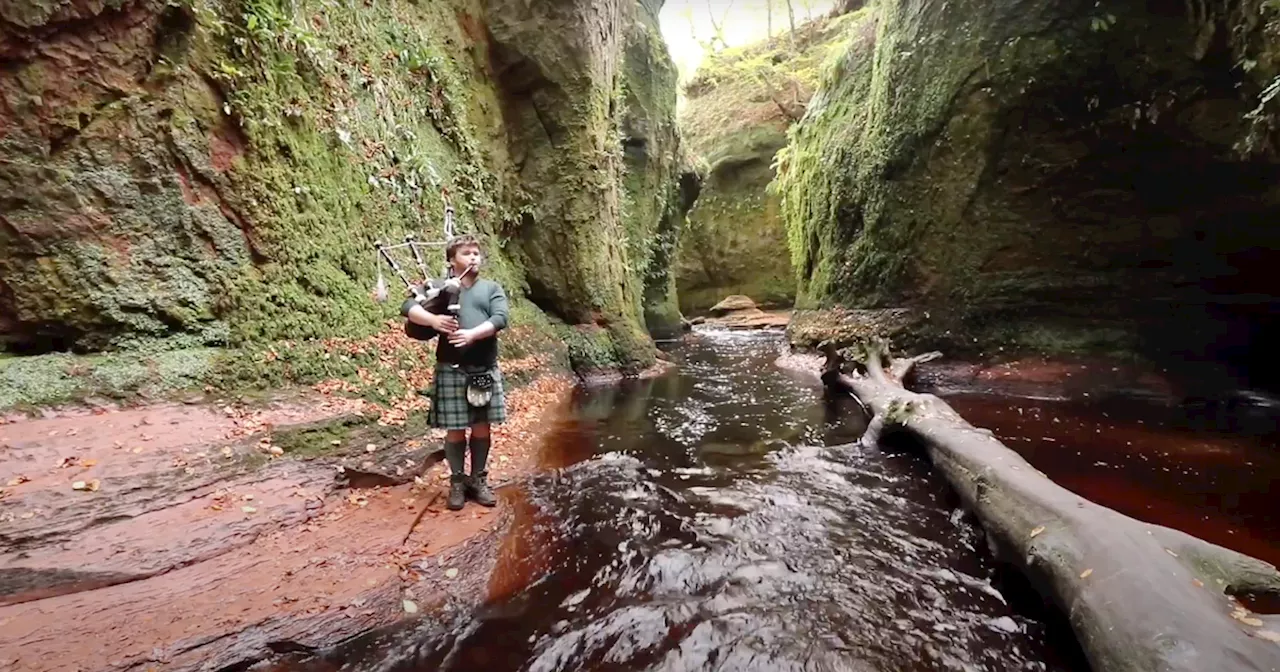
(345, 434)
(48, 379)
(735, 239)
(590, 348)
(738, 110)
(234, 199)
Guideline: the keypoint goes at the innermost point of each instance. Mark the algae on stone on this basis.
(1042, 175)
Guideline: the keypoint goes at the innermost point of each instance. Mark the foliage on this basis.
(275, 140)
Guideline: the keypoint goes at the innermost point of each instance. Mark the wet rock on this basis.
(740, 312)
(732, 304)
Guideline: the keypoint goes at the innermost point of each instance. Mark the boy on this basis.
(466, 354)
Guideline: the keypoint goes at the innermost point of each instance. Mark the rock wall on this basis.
(735, 118)
(1048, 175)
(214, 172)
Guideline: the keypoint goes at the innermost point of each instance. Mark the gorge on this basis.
(1073, 201)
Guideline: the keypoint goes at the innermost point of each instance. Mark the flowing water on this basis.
(716, 519)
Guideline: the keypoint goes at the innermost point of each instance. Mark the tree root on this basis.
(1140, 597)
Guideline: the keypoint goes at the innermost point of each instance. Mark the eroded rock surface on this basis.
(200, 537)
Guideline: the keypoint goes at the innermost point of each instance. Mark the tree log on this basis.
(1140, 597)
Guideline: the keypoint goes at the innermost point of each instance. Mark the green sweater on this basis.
(481, 302)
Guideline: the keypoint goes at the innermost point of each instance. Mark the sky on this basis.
(745, 21)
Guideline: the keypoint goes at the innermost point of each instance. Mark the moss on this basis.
(734, 237)
(651, 213)
(590, 348)
(969, 163)
(48, 379)
(355, 132)
(738, 109)
(234, 197)
(345, 434)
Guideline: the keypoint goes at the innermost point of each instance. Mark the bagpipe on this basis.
(439, 296)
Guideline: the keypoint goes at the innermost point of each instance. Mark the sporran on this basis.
(479, 389)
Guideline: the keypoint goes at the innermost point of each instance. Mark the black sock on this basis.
(456, 453)
(479, 454)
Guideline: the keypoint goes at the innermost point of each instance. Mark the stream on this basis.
(715, 518)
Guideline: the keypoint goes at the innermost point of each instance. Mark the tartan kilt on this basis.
(449, 407)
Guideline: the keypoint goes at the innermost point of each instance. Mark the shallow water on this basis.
(704, 521)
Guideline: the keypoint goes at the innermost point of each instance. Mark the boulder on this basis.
(731, 304)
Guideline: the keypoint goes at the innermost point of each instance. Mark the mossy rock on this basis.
(221, 183)
(735, 241)
(737, 111)
(1040, 176)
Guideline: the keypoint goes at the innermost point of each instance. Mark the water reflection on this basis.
(1148, 462)
(711, 520)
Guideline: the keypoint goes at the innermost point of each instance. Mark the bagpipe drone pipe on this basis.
(436, 295)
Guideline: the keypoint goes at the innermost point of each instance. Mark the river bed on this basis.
(716, 518)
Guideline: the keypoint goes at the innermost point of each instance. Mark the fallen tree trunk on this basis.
(1140, 597)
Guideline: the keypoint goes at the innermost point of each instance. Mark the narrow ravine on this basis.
(716, 519)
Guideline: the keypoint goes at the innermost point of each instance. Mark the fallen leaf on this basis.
(1085, 574)
(451, 572)
(18, 480)
(88, 463)
(1268, 635)
(248, 509)
(1037, 531)
(67, 462)
(410, 607)
(1243, 616)
(226, 451)
(94, 485)
(1198, 582)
